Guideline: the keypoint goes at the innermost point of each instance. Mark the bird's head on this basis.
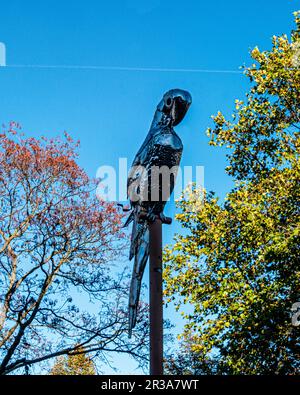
(174, 105)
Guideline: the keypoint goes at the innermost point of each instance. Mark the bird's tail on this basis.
(139, 249)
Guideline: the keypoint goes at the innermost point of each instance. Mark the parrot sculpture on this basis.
(148, 195)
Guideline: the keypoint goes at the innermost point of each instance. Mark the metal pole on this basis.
(156, 299)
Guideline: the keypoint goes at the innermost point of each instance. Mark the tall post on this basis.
(156, 298)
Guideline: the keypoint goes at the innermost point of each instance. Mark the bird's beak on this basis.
(179, 110)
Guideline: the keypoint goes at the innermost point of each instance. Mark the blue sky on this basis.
(110, 110)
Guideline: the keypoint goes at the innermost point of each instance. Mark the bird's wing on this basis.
(140, 160)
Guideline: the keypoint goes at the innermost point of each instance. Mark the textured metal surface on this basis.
(156, 298)
(162, 147)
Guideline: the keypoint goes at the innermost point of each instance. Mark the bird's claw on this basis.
(151, 217)
(162, 217)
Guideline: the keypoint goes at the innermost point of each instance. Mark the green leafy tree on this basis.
(77, 365)
(237, 263)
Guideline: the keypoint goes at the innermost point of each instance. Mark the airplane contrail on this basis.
(121, 68)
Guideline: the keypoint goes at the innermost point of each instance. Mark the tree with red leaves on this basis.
(57, 245)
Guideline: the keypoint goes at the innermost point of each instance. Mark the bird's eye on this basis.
(168, 101)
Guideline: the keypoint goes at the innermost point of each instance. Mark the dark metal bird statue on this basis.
(147, 187)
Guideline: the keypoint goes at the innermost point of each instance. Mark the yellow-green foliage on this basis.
(238, 264)
(79, 365)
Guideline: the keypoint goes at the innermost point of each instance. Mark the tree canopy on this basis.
(57, 247)
(74, 365)
(237, 262)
